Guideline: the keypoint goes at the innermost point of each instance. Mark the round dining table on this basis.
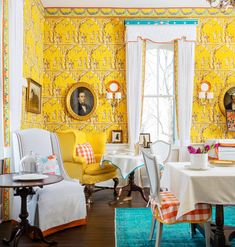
(23, 187)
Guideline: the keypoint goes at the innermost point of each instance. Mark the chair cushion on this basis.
(95, 169)
(169, 209)
(85, 150)
(50, 165)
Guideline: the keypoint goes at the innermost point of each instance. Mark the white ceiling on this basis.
(126, 3)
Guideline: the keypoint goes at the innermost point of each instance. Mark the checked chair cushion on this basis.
(85, 150)
(169, 206)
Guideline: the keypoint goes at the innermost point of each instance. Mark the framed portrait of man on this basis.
(81, 101)
(34, 96)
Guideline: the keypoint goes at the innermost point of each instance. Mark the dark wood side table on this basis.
(23, 189)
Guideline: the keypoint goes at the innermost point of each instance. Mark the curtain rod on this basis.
(162, 22)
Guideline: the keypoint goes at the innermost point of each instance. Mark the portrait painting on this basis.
(34, 92)
(229, 99)
(144, 139)
(116, 136)
(81, 101)
(230, 120)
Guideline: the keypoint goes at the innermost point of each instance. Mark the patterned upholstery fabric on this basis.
(85, 150)
(167, 210)
(95, 169)
(75, 165)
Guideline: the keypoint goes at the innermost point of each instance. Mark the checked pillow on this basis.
(85, 150)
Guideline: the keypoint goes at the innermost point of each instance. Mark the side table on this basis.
(127, 164)
(23, 189)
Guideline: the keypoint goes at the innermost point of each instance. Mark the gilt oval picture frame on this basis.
(225, 99)
(81, 101)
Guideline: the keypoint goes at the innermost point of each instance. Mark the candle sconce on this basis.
(113, 94)
(205, 97)
(205, 93)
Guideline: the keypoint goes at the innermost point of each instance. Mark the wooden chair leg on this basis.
(152, 228)
(116, 181)
(159, 234)
(88, 192)
(207, 226)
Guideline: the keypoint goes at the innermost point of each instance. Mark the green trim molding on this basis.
(162, 22)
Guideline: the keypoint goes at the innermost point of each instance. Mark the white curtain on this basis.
(16, 9)
(134, 90)
(185, 94)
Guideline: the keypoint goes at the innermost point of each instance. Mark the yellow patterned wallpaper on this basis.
(84, 50)
(87, 45)
(215, 62)
(33, 55)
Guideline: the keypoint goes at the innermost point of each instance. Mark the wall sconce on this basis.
(204, 92)
(113, 94)
(205, 96)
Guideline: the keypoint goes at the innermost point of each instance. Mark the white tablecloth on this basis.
(126, 163)
(214, 186)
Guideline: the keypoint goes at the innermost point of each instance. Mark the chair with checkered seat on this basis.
(77, 166)
(165, 205)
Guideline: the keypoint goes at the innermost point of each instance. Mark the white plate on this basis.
(196, 169)
(31, 176)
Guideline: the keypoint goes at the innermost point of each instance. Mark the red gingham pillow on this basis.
(85, 150)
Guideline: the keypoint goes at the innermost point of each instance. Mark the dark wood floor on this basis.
(99, 231)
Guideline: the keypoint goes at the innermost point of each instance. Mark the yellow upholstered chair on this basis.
(76, 167)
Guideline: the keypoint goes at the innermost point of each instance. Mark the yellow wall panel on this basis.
(99, 57)
(87, 45)
(33, 55)
(87, 50)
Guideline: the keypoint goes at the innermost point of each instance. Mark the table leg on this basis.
(219, 238)
(23, 227)
(133, 187)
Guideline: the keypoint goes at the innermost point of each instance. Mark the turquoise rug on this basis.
(132, 228)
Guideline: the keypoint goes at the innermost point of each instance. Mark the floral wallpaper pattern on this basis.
(87, 45)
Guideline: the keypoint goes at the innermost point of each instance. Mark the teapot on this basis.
(29, 163)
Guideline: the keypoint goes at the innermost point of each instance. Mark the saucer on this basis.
(197, 169)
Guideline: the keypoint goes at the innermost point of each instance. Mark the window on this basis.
(158, 116)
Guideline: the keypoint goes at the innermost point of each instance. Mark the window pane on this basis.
(159, 70)
(150, 84)
(158, 118)
(165, 74)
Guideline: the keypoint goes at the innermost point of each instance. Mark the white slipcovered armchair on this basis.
(54, 207)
